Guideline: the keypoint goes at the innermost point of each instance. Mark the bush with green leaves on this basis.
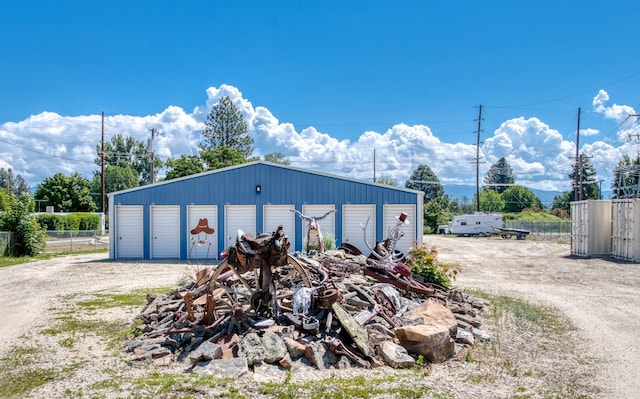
(28, 237)
(424, 263)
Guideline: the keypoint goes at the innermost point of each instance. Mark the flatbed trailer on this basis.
(506, 232)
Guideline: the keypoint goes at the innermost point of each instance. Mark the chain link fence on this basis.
(544, 230)
(76, 240)
(5, 242)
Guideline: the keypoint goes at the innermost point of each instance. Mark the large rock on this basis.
(435, 315)
(395, 355)
(274, 347)
(433, 335)
(206, 351)
(223, 368)
(251, 348)
(431, 341)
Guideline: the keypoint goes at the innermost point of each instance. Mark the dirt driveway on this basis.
(600, 296)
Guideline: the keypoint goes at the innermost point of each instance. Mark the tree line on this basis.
(225, 142)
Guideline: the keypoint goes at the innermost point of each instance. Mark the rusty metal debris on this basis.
(346, 302)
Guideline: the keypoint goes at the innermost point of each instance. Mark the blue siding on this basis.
(279, 185)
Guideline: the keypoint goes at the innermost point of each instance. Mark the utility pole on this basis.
(578, 169)
(102, 168)
(478, 159)
(154, 132)
(374, 165)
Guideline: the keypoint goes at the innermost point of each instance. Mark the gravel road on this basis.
(600, 296)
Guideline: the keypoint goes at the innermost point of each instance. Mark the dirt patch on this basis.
(600, 296)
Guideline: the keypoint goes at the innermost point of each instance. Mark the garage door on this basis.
(327, 224)
(391, 211)
(276, 215)
(130, 232)
(352, 217)
(203, 244)
(236, 217)
(165, 231)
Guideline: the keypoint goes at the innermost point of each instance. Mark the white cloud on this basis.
(541, 158)
(622, 114)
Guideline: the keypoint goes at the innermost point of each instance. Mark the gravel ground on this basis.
(600, 296)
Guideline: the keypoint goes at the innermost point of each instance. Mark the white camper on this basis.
(476, 224)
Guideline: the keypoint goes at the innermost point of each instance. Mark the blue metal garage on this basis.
(199, 215)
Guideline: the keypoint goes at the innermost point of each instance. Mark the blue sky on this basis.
(326, 82)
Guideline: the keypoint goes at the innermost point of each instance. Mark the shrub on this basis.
(52, 222)
(424, 263)
(28, 237)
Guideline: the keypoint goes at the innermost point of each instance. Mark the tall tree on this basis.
(387, 180)
(116, 178)
(66, 193)
(125, 151)
(425, 180)
(184, 165)
(499, 177)
(585, 178)
(491, 201)
(13, 183)
(225, 127)
(562, 202)
(221, 157)
(516, 198)
(277, 157)
(626, 177)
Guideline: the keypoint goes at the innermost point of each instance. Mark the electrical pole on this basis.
(102, 168)
(578, 170)
(152, 155)
(374, 165)
(478, 159)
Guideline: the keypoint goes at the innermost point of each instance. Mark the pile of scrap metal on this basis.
(352, 306)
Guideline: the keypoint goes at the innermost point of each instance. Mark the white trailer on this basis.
(476, 224)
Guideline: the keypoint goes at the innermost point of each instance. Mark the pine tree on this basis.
(225, 127)
(500, 176)
(587, 181)
(424, 179)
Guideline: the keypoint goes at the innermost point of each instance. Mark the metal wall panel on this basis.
(354, 217)
(202, 247)
(165, 231)
(625, 237)
(591, 228)
(276, 215)
(129, 231)
(409, 232)
(327, 224)
(238, 217)
(278, 185)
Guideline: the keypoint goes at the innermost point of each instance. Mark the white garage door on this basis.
(130, 233)
(391, 211)
(352, 217)
(203, 246)
(236, 217)
(165, 231)
(276, 215)
(327, 224)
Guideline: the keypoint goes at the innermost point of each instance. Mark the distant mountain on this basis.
(461, 191)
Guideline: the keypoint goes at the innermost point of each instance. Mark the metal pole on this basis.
(478, 161)
(102, 168)
(577, 193)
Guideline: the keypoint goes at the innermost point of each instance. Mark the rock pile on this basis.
(346, 313)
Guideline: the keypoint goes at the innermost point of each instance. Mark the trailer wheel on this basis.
(506, 236)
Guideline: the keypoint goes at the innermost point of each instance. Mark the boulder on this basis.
(395, 355)
(274, 347)
(431, 341)
(434, 314)
(205, 351)
(251, 348)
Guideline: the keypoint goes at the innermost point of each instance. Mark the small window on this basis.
(478, 222)
(463, 223)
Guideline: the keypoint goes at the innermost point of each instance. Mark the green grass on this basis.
(363, 387)
(20, 372)
(133, 298)
(17, 260)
